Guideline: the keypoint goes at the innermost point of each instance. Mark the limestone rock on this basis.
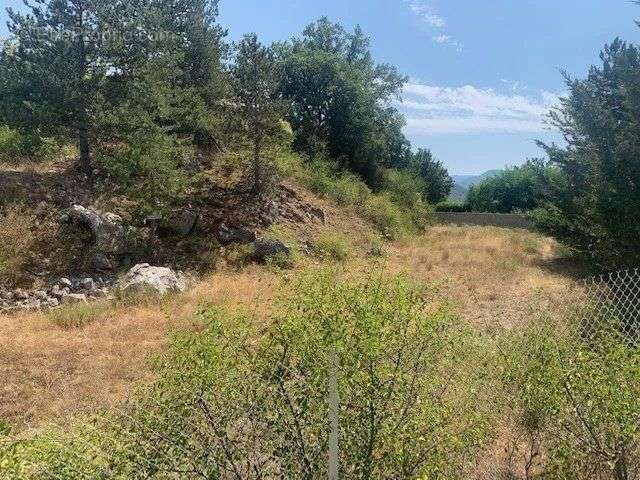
(156, 280)
(109, 233)
(73, 298)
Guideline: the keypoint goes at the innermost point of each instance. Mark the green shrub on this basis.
(149, 167)
(392, 220)
(452, 206)
(289, 164)
(18, 146)
(327, 179)
(580, 399)
(233, 399)
(333, 246)
(403, 187)
(397, 211)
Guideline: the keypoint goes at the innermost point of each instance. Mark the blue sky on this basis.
(483, 73)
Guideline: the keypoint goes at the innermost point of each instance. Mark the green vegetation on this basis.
(16, 147)
(333, 247)
(437, 184)
(594, 202)
(235, 395)
(576, 402)
(422, 394)
(397, 210)
(452, 206)
(148, 111)
(255, 81)
(340, 100)
(586, 193)
(517, 189)
(233, 400)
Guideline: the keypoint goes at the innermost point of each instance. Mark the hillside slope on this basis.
(51, 371)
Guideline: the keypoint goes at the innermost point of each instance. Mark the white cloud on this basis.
(424, 10)
(442, 38)
(468, 109)
(447, 40)
(427, 13)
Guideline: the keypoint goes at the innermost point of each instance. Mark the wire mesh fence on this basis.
(609, 299)
(401, 394)
(570, 402)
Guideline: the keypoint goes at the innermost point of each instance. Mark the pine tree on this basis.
(56, 70)
(256, 81)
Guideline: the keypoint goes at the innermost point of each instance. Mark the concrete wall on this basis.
(507, 220)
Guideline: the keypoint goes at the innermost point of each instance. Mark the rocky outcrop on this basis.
(63, 291)
(263, 248)
(144, 278)
(230, 236)
(182, 223)
(111, 237)
(100, 262)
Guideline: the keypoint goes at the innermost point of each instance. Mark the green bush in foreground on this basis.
(233, 401)
(16, 146)
(580, 400)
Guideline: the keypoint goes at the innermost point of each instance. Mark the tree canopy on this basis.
(513, 189)
(594, 203)
(340, 99)
(144, 86)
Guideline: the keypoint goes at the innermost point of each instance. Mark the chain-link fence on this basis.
(609, 299)
(569, 402)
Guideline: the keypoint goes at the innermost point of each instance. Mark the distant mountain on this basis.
(462, 183)
(458, 193)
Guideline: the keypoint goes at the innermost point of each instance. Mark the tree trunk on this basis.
(257, 168)
(85, 150)
(83, 114)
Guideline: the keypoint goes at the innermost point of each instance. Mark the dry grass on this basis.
(492, 275)
(17, 239)
(49, 371)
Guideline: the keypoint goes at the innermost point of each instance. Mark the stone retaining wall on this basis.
(506, 220)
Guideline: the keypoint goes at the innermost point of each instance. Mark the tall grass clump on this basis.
(80, 315)
(236, 400)
(17, 241)
(333, 246)
(577, 402)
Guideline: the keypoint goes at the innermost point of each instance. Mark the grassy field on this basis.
(51, 370)
(459, 336)
(502, 395)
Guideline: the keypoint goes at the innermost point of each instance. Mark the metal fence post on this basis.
(334, 405)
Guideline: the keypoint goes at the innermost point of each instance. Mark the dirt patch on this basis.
(49, 373)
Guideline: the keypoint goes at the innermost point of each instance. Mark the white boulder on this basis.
(144, 278)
